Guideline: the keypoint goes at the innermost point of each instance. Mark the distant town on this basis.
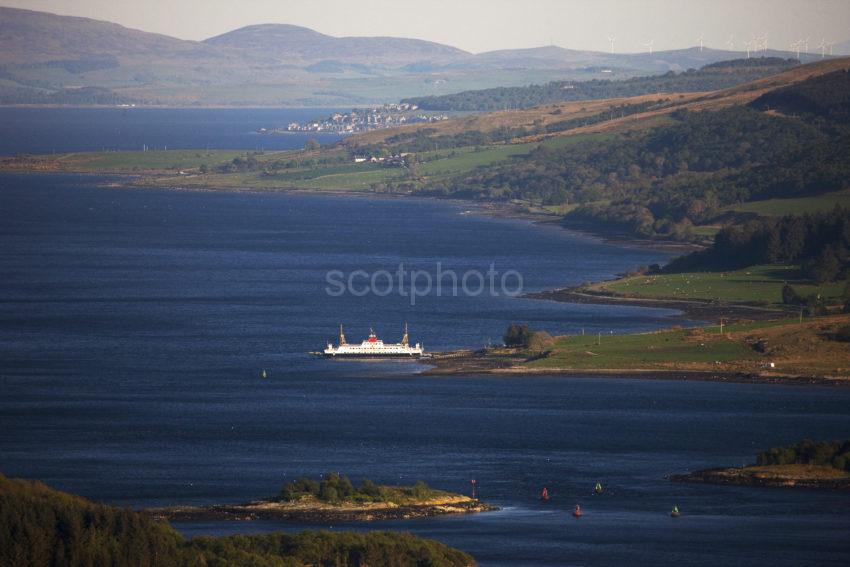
(363, 120)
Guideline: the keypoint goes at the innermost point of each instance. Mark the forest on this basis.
(336, 488)
(708, 78)
(819, 243)
(42, 526)
(825, 453)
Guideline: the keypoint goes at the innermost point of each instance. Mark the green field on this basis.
(781, 207)
(756, 285)
(649, 350)
(149, 160)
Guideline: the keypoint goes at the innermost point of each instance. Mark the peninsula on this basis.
(333, 500)
(808, 464)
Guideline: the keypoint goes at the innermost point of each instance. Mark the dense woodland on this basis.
(41, 526)
(710, 77)
(827, 453)
(819, 243)
(335, 488)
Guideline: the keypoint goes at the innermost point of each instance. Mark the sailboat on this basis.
(598, 488)
(577, 511)
(675, 513)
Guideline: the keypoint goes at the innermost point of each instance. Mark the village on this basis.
(363, 120)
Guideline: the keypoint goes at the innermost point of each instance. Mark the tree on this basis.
(825, 266)
(518, 335)
(312, 144)
(789, 295)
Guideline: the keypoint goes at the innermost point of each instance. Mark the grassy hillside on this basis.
(807, 349)
(41, 526)
(760, 285)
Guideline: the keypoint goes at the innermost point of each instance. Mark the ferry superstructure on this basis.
(373, 347)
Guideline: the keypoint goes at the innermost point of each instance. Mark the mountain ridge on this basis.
(281, 64)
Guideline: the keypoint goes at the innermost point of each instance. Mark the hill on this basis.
(43, 56)
(711, 77)
(294, 44)
(41, 526)
(29, 37)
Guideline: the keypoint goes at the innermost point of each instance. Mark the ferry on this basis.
(373, 347)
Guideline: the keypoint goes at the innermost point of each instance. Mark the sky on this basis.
(484, 25)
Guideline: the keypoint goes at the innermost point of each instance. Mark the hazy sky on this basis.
(482, 25)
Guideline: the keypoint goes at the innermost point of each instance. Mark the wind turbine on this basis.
(822, 47)
(700, 39)
(796, 46)
(612, 39)
(806, 44)
(747, 46)
(731, 43)
(649, 45)
(763, 42)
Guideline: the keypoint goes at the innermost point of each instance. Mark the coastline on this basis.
(315, 512)
(461, 367)
(693, 309)
(484, 363)
(771, 476)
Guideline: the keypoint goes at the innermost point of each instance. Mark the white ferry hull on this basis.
(373, 347)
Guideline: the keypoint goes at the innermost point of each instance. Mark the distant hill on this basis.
(713, 76)
(29, 37)
(43, 56)
(287, 43)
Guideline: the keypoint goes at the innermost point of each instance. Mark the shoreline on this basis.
(512, 211)
(320, 513)
(459, 367)
(693, 309)
(771, 476)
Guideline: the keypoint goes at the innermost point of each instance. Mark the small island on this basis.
(808, 464)
(334, 499)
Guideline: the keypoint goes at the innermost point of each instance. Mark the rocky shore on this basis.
(312, 511)
(773, 476)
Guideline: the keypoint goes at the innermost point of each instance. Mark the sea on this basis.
(135, 324)
(31, 130)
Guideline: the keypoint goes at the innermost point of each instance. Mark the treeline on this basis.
(335, 488)
(41, 526)
(710, 77)
(826, 453)
(819, 243)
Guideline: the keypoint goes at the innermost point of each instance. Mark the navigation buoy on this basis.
(544, 496)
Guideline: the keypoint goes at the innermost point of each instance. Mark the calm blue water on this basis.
(133, 325)
(47, 130)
